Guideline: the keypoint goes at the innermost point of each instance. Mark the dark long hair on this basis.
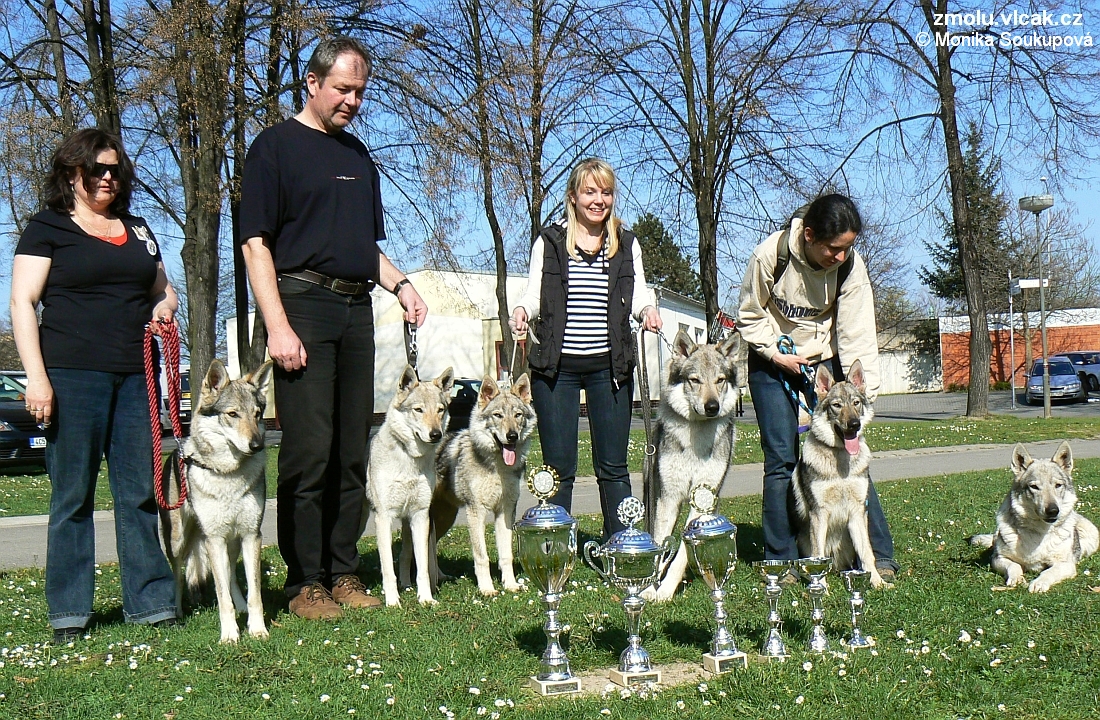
(830, 216)
(80, 150)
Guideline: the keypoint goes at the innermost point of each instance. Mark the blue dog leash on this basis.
(786, 347)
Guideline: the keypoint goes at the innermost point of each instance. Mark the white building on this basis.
(462, 330)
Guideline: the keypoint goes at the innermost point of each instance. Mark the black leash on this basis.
(649, 492)
(411, 347)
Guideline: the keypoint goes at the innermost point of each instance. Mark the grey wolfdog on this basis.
(694, 439)
(225, 459)
(480, 469)
(401, 477)
(1038, 529)
(832, 478)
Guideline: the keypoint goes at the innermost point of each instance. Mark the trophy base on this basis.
(724, 663)
(863, 642)
(629, 679)
(555, 687)
(773, 658)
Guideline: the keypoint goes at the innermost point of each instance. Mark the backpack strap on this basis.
(783, 253)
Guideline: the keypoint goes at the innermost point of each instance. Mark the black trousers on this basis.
(325, 411)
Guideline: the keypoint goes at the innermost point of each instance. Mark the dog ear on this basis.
(1063, 457)
(261, 378)
(522, 388)
(1021, 459)
(217, 377)
(489, 390)
(408, 379)
(682, 344)
(855, 375)
(729, 346)
(446, 380)
(823, 381)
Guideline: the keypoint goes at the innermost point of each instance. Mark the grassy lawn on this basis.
(1022, 655)
(30, 494)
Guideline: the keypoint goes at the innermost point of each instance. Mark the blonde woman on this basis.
(585, 282)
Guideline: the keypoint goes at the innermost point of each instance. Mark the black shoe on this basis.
(166, 623)
(66, 635)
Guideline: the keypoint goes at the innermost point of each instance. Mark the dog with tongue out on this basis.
(831, 480)
(481, 469)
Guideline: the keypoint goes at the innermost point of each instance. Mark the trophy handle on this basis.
(591, 551)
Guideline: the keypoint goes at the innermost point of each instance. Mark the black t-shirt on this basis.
(316, 198)
(96, 302)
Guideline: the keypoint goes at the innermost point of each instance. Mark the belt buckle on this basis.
(345, 287)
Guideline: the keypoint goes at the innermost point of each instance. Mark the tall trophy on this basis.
(632, 562)
(772, 570)
(712, 542)
(815, 569)
(857, 582)
(546, 544)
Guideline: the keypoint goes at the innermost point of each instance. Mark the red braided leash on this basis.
(170, 342)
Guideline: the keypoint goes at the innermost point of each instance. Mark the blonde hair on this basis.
(604, 177)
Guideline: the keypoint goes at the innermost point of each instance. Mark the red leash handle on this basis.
(170, 342)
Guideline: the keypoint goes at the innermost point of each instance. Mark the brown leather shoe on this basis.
(314, 602)
(349, 591)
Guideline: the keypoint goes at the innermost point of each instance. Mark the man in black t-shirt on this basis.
(311, 221)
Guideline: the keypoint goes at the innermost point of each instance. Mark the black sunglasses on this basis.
(100, 169)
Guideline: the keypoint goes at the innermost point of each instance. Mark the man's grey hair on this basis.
(328, 51)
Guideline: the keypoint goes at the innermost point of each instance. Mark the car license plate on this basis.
(38, 442)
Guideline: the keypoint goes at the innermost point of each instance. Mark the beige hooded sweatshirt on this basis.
(801, 305)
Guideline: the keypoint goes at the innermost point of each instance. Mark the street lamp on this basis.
(1037, 204)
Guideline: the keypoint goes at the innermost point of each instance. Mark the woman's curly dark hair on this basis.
(80, 150)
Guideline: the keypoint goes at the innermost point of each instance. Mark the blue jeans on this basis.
(778, 422)
(325, 410)
(557, 402)
(102, 414)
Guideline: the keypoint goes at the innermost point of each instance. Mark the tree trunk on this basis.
(981, 348)
(101, 65)
(235, 34)
(57, 50)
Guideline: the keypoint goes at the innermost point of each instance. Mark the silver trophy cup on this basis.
(772, 570)
(814, 569)
(712, 544)
(632, 562)
(546, 545)
(857, 582)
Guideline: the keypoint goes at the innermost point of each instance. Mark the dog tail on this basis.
(1087, 536)
(983, 541)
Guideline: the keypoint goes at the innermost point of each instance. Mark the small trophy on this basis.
(546, 544)
(815, 569)
(771, 570)
(712, 542)
(857, 582)
(632, 562)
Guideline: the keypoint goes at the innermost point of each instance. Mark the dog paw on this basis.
(428, 601)
(513, 587)
(649, 595)
(488, 591)
(1039, 585)
(260, 633)
(393, 600)
(230, 638)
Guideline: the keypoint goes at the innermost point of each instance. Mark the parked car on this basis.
(463, 398)
(1064, 382)
(22, 442)
(185, 400)
(1087, 365)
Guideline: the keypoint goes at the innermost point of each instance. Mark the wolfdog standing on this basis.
(401, 477)
(832, 478)
(480, 468)
(694, 437)
(1038, 528)
(225, 462)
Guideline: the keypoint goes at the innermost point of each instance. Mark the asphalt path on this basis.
(24, 538)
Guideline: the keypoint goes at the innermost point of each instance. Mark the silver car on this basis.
(1064, 382)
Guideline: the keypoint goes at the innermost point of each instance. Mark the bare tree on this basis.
(903, 64)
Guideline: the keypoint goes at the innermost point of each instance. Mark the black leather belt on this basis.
(336, 285)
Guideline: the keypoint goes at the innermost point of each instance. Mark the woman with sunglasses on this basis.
(98, 274)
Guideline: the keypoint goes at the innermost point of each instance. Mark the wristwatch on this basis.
(400, 284)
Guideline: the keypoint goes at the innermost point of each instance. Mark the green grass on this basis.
(1029, 656)
(30, 494)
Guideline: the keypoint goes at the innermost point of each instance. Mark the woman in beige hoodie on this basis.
(822, 300)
